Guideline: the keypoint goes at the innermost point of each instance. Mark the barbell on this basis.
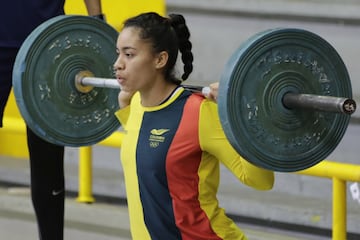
(85, 81)
(284, 95)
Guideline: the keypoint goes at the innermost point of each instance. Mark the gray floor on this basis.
(93, 221)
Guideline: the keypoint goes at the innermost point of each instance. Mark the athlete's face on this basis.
(135, 66)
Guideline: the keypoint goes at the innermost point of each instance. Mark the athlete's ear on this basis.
(161, 59)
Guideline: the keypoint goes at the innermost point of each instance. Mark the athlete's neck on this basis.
(157, 96)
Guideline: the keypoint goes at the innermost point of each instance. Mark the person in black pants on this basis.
(19, 18)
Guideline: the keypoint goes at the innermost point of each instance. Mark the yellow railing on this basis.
(340, 173)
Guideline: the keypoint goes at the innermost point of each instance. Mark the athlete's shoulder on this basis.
(196, 98)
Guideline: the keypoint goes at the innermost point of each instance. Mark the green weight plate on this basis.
(252, 86)
(44, 85)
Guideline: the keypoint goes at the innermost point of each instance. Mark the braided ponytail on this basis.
(178, 23)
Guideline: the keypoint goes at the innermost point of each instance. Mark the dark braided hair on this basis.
(166, 34)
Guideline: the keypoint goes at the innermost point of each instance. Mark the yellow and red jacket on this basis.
(171, 154)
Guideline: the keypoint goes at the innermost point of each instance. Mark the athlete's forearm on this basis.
(93, 7)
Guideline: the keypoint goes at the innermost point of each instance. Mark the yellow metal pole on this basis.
(85, 194)
(85, 175)
(114, 140)
(339, 209)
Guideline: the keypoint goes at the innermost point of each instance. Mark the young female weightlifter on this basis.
(174, 141)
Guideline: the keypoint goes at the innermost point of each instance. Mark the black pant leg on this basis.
(47, 186)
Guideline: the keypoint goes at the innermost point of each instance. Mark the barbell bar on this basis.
(85, 83)
(285, 96)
